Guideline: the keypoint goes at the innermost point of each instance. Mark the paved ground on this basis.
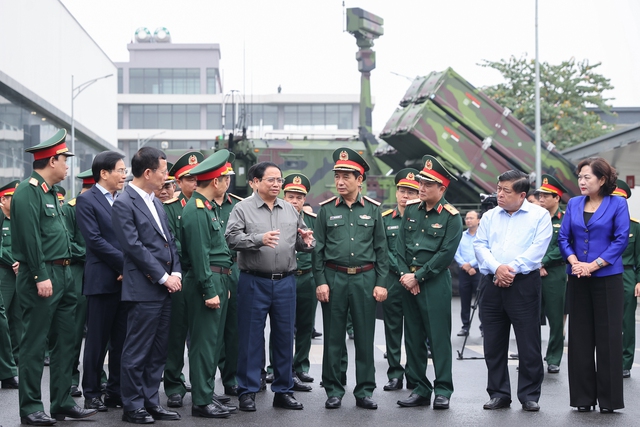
(466, 402)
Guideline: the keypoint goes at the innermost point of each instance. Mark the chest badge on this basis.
(365, 217)
(436, 225)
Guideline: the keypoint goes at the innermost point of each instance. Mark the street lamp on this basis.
(142, 142)
(75, 91)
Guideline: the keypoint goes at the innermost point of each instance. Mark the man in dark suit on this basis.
(151, 272)
(106, 315)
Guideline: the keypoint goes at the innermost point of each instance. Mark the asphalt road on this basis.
(466, 403)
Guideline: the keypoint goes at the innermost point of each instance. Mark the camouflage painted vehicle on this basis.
(444, 100)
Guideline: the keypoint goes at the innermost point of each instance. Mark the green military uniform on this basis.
(174, 380)
(630, 277)
(426, 246)
(392, 306)
(228, 360)
(8, 277)
(351, 257)
(554, 284)
(206, 250)
(8, 368)
(41, 244)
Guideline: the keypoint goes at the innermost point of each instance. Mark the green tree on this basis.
(566, 91)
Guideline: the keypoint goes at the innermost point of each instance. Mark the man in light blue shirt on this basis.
(469, 276)
(510, 243)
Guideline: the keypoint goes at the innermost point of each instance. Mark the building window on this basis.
(214, 116)
(120, 117)
(213, 80)
(178, 116)
(181, 81)
(120, 81)
(268, 114)
(318, 117)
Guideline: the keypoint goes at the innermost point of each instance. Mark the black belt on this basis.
(628, 267)
(270, 276)
(554, 264)
(350, 270)
(221, 270)
(301, 272)
(61, 261)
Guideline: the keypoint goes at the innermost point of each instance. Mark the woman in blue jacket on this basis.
(593, 236)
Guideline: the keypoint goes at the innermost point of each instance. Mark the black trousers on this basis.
(596, 306)
(467, 286)
(517, 305)
(106, 324)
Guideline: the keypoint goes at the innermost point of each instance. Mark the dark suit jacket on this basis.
(104, 255)
(605, 235)
(147, 255)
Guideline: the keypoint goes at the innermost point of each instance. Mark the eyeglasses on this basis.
(271, 181)
(123, 171)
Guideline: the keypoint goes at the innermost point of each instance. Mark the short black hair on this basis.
(146, 158)
(42, 163)
(261, 167)
(519, 179)
(250, 172)
(104, 161)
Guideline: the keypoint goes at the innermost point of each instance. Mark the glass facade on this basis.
(212, 80)
(214, 116)
(152, 116)
(267, 113)
(318, 117)
(164, 80)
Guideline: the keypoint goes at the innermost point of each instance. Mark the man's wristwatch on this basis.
(600, 262)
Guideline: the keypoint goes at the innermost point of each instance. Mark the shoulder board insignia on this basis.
(33, 181)
(168, 202)
(557, 225)
(451, 209)
(199, 204)
(634, 220)
(235, 197)
(328, 200)
(208, 205)
(413, 202)
(385, 213)
(72, 202)
(311, 214)
(375, 202)
(45, 187)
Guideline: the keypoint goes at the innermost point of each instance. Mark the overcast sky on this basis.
(300, 44)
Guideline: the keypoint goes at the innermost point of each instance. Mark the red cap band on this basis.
(7, 192)
(216, 173)
(51, 151)
(408, 183)
(183, 170)
(88, 181)
(295, 187)
(620, 192)
(350, 165)
(430, 173)
(552, 189)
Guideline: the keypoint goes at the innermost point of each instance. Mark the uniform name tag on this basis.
(50, 206)
(331, 218)
(7, 229)
(411, 220)
(392, 227)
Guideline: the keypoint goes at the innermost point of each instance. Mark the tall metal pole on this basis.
(538, 127)
(73, 144)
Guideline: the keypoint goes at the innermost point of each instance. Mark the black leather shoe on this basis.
(269, 378)
(160, 414)
(222, 399)
(286, 401)
(531, 406)
(366, 403)
(626, 373)
(103, 387)
(315, 334)
(586, 408)
(112, 401)
(263, 384)
(75, 412)
(463, 332)
(231, 391)
(606, 411)
(174, 401)
(38, 418)
(95, 403)
(513, 355)
(139, 416)
(414, 400)
(393, 384)
(247, 402)
(411, 386)
(224, 407)
(187, 387)
(497, 403)
(209, 411)
(299, 385)
(47, 361)
(441, 402)
(385, 355)
(75, 391)
(304, 377)
(553, 369)
(351, 336)
(12, 383)
(334, 402)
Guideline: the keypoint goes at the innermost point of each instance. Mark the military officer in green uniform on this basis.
(228, 360)
(207, 289)
(8, 270)
(553, 273)
(78, 256)
(430, 232)
(631, 279)
(406, 189)
(350, 266)
(174, 381)
(45, 286)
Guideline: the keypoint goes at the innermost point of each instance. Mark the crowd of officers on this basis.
(362, 256)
